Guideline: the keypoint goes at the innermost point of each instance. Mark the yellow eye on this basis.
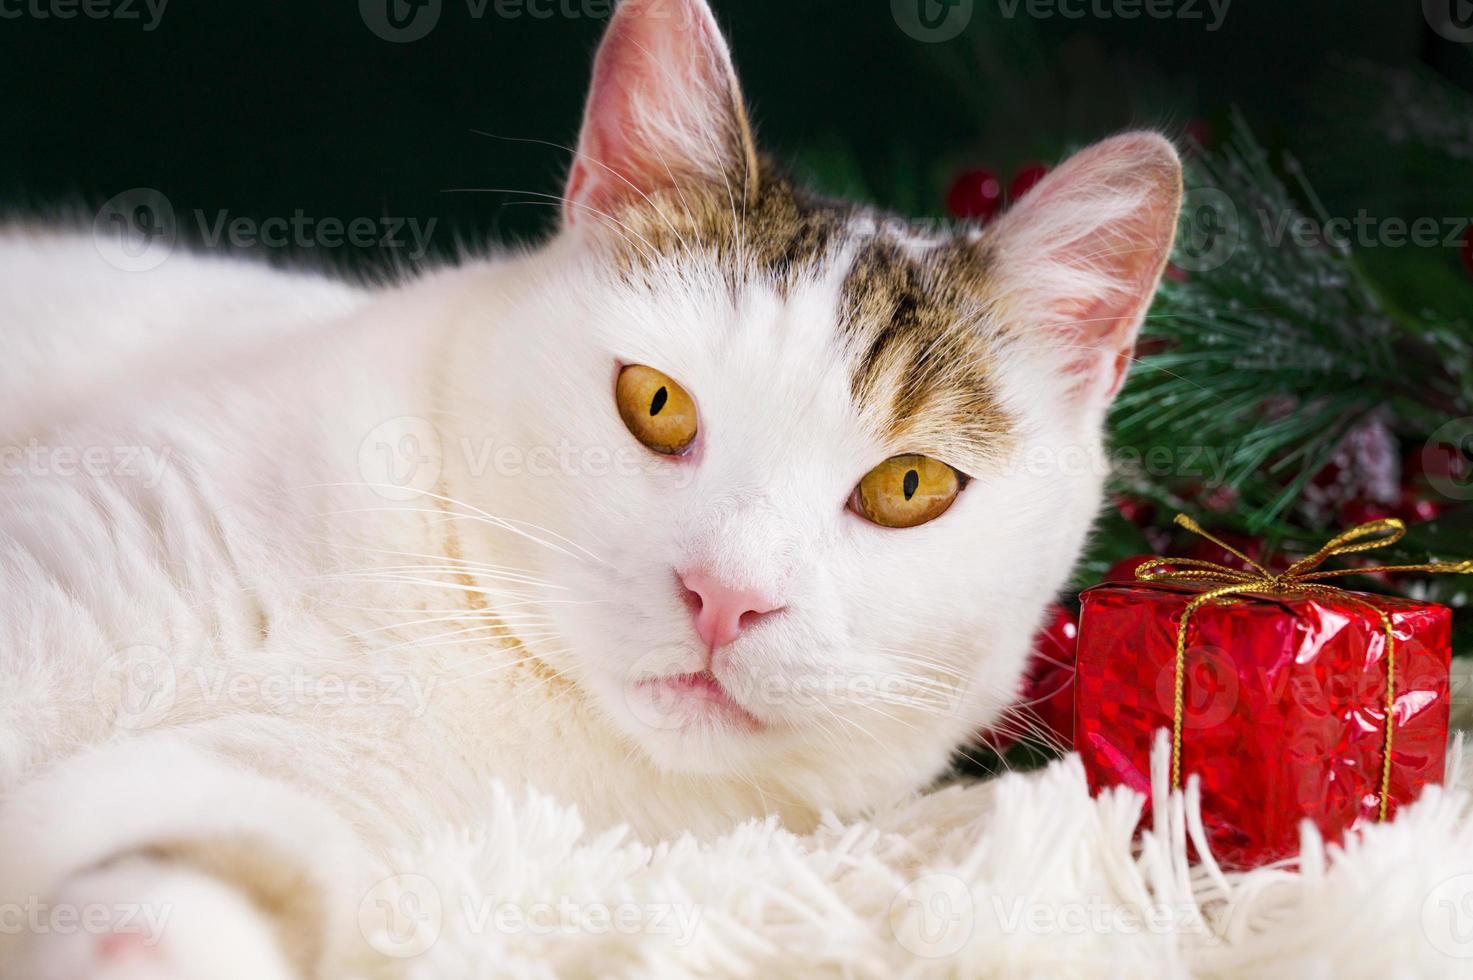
(906, 491)
(657, 410)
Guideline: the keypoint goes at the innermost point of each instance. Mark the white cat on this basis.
(727, 501)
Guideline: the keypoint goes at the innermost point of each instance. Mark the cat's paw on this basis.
(142, 919)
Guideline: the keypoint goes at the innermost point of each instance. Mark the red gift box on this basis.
(1283, 695)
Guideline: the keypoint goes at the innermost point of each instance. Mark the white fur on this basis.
(375, 560)
(1026, 876)
(212, 929)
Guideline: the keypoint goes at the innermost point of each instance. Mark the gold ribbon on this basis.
(1298, 579)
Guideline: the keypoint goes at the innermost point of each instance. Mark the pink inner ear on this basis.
(1133, 253)
(1084, 251)
(663, 108)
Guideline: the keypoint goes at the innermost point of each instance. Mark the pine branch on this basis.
(1270, 357)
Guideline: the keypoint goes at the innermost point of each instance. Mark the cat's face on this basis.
(805, 476)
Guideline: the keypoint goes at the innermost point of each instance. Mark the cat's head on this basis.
(809, 473)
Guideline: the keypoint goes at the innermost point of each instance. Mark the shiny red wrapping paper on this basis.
(1284, 716)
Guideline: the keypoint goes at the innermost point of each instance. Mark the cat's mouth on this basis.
(699, 695)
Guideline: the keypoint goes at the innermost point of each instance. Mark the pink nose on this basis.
(722, 612)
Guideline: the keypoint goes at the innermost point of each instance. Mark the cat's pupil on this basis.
(661, 397)
(912, 483)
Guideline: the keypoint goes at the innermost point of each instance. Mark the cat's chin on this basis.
(711, 751)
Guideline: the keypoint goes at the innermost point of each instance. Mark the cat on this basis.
(728, 500)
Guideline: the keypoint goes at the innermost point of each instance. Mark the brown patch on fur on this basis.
(917, 321)
(478, 609)
(282, 889)
(774, 230)
(481, 613)
(912, 319)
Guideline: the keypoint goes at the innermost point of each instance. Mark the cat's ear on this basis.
(1078, 259)
(664, 110)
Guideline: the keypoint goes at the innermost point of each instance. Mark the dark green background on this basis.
(265, 108)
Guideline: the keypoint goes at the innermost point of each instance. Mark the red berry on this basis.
(1466, 254)
(1419, 511)
(1438, 462)
(1330, 477)
(1025, 179)
(1137, 510)
(976, 194)
(1220, 498)
(1048, 688)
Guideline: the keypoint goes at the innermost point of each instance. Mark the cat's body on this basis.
(335, 559)
(242, 553)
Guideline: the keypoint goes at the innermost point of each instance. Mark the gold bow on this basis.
(1299, 578)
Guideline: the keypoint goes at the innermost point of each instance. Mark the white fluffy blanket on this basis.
(1023, 876)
